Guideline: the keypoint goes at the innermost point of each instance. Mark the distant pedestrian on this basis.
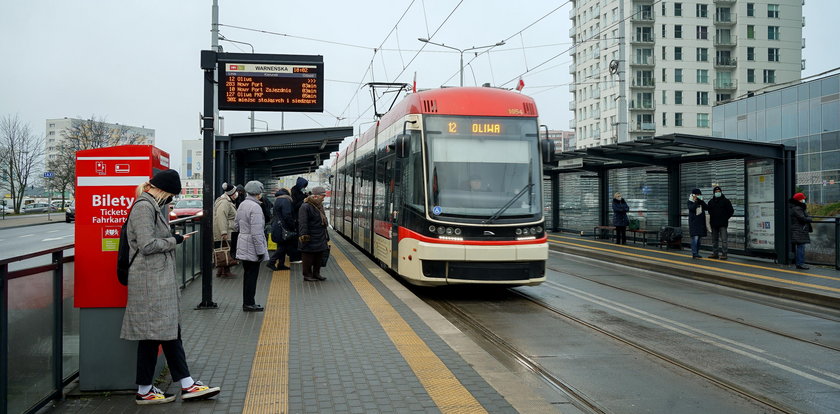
(620, 220)
(720, 211)
(224, 223)
(800, 228)
(312, 221)
(252, 247)
(152, 312)
(298, 195)
(696, 221)
(282, 218)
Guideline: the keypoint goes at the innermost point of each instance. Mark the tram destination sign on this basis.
(286, 86)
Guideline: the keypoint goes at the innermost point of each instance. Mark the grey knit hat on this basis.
(228, 188)
(319, 191)
(254, 187)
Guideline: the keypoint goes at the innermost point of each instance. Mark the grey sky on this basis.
(137, 62)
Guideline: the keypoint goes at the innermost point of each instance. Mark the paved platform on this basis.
(819, 285)
(359, 342)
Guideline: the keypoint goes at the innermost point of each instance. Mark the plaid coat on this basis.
(153, 310)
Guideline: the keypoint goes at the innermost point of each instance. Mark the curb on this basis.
(807, 296)
(31, 224)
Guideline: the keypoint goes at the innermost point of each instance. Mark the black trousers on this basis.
(283, 248)
(147, 352)
(234, 238)
(249, 282)
(621, 234)
(311, 264)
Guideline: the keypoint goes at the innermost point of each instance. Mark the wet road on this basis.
(632, 341)
(24, 240)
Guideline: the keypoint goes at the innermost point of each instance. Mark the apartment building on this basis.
(56, 128)
(643, 68)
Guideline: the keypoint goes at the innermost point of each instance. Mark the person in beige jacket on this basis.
(224, 213)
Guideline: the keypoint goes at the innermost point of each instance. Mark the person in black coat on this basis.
(800, 227)
(696, 220)
(298, 195)
(283, 218)
(620, 220)
(312, 227)
(720, 211)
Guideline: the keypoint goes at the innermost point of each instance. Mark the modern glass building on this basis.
(805, 115)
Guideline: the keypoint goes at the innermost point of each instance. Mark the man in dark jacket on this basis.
(283, 218)
(800, 227)
(313, 237)
(720, 211)
(298, 195)
(696, 221)
(620, 220)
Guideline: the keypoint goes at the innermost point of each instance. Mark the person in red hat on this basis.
(800, 227)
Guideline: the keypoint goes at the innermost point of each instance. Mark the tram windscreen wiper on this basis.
(509, 203)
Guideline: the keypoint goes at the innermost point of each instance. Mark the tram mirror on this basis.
(403, 145)
(548, 148)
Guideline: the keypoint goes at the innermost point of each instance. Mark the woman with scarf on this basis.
(312, 226)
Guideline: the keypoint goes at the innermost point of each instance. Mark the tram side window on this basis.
(413, 174)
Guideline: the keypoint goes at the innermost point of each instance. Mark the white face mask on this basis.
(618, 198)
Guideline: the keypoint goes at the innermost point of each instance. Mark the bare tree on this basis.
(22, 154)
(83, 135)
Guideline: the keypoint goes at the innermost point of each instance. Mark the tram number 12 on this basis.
(453, 128)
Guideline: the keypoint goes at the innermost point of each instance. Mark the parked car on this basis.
(186, 208)
(70, 212)
(38, 208)
(60, 205)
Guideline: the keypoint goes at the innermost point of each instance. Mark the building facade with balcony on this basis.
(563, 140)
(56, 129)
(643, 68)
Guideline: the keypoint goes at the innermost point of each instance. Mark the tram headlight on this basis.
(449, 231)
(533, 230)
(431, 229)
(539, 229)
(518, 232)
(441, 230)
(457, 232)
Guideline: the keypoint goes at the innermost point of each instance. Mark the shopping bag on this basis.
(221, 255)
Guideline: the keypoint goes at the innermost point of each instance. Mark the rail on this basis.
(39, 326)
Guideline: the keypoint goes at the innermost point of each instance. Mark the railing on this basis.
(39, 326)
(730, 40)
(643, 83)
(726, 83)
(725, 18)
(825, 242)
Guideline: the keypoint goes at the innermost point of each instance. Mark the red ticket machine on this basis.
(106, 181)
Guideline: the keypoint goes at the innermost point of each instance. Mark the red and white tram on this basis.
(446, 189)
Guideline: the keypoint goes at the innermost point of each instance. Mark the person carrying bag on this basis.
(313, 234)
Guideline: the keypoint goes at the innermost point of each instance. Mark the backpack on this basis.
(123, 262)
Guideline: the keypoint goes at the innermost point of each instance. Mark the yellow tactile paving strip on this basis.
(443, 387)
(268, 386)
(558, 240)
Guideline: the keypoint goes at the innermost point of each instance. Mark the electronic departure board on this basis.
(271, 86)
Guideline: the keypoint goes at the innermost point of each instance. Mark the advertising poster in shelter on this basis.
(761, 232)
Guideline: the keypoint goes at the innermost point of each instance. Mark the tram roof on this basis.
(663, 150)
(287, 152)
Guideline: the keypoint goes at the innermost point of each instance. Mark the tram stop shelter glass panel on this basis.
(655, 176)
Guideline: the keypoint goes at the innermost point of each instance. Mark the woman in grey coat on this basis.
(252, 247)
(152, 313)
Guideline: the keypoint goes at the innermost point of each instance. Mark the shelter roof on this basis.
(287, 152)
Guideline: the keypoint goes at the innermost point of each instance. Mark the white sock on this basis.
(187, 382)
(143, 389)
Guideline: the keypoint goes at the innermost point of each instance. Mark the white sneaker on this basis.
(297, 261)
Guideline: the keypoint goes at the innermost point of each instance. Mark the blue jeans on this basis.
(695, 245)
(800, 254)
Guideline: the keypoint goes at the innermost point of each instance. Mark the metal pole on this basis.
(462, 67)
(58, 323)
(252, 121)
(4, 338)
(837, 243)
(209, 60)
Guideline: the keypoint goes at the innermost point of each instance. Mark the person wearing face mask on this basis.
(252, 247)
(620, 220)
(720, 211)
(224, 225)
(800, 227)
(696, 221)
(152, 312)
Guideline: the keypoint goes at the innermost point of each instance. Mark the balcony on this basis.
(572, 31)
(649, 61)
(571, 124)
(572, 68)
(722, 2)
(572, 105)
(725, 62)
(803, 21)
(596, 93)
(597, 52)
(642, 105)
(597, 12)
(726, 41)
(572, 13)
(597, 115)
(644, 39)
(642, 127)
(642, 17)
(643, 83)
(726, 84)
(725, 19)
(572, 87)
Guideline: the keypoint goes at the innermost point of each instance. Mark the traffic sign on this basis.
(48, 174)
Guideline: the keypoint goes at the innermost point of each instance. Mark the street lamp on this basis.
(461, 51)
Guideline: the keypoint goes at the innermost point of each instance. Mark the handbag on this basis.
(221, 255)
(279, 233)
(287, 235)
(325, 257)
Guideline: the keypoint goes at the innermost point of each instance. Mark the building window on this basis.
(678, 75)
(702, 54)
(702, 76)
(663, 10)
(702, 32)
(769, 76)
(751, 9)
(678, 53)
(772, 32)
(723, 97)
(52, 132)
(751, 75)
(750, 53)
(664, 98)
(773, 11)
(664, 53)
(663, 29)
(664, 77)
(677, 9)
(702, 98)
(702, 10)
(678, 31)
(52, 125)
(664, 119)
(773, 54)
(702, 120)
(750, 31)
(678, 119)
(678, 97)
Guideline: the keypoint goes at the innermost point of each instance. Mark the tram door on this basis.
(394, 203)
